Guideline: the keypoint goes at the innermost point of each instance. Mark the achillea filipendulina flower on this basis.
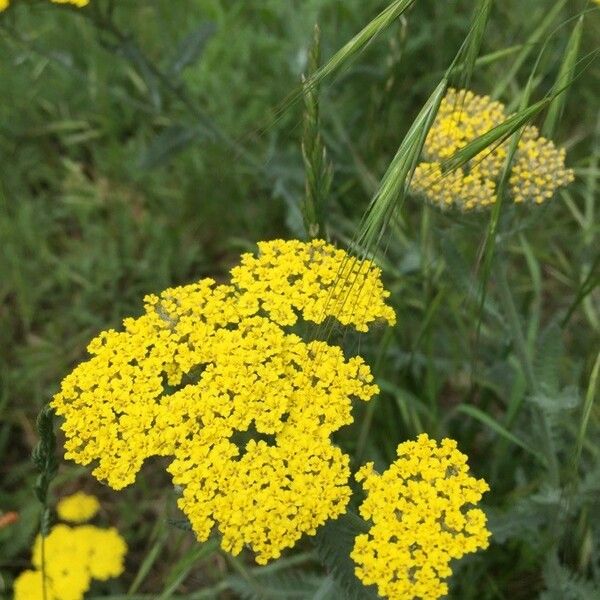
(73, 557)
(317, 280)
(538, 167)
(209, 377)
(422, 519)
(454, 188)
(79, 3)
(462, 116)
(78, 507)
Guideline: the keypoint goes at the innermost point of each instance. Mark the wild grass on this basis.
(145, 144)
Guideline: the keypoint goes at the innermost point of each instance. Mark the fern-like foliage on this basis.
(564, 584)
(334, 542)
(285, 585)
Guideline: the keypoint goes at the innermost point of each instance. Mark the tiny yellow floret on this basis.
(422, 515)
(78, 507)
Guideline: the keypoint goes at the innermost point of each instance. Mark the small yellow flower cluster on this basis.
(419, 520)
(78, 507)
(538, 170)
(73, 557)
(462, 116)
(209, 377)
(538, 167)
(454, 188)
(316, 279)
(79, 3)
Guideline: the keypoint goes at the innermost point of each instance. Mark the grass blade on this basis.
(484, 418)
(587, 409)
(368, 33)
(529, 45)
(565, 76)
(182, 569)
(394, 183)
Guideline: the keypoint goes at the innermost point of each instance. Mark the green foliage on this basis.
(146, 144)
(334, 542)
(289, 584)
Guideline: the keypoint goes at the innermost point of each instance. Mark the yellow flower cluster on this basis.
(420, 522)
(208, 376)
(538, 167)
(317, 280)
(79, 3)
(78, 507)
(538, 170)
(73, 557)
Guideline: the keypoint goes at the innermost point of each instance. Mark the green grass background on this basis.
(116, 182)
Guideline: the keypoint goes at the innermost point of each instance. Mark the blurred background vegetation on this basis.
(150, 148)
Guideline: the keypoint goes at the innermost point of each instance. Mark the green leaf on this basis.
(170, 142)
(565, 400)
(564, 584)
(374, 28)
(566, 74)
(587, 408)
(334, 542)
(182, 568)
(534, 38)
(295, 585)
(548, 355)
(190, 48)
(394, 184)
(484, 418)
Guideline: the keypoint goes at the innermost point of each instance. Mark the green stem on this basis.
(523, 353)
(515, 325)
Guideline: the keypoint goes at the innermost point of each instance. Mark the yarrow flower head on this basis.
(423, 517)
(73, 557)
(209, 377)
(538, 167)
(79, 3)
(78, 507)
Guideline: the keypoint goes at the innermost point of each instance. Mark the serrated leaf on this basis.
(549, 353)
(564, 584)
(552, 403)
(295, 585)
(334, 542)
